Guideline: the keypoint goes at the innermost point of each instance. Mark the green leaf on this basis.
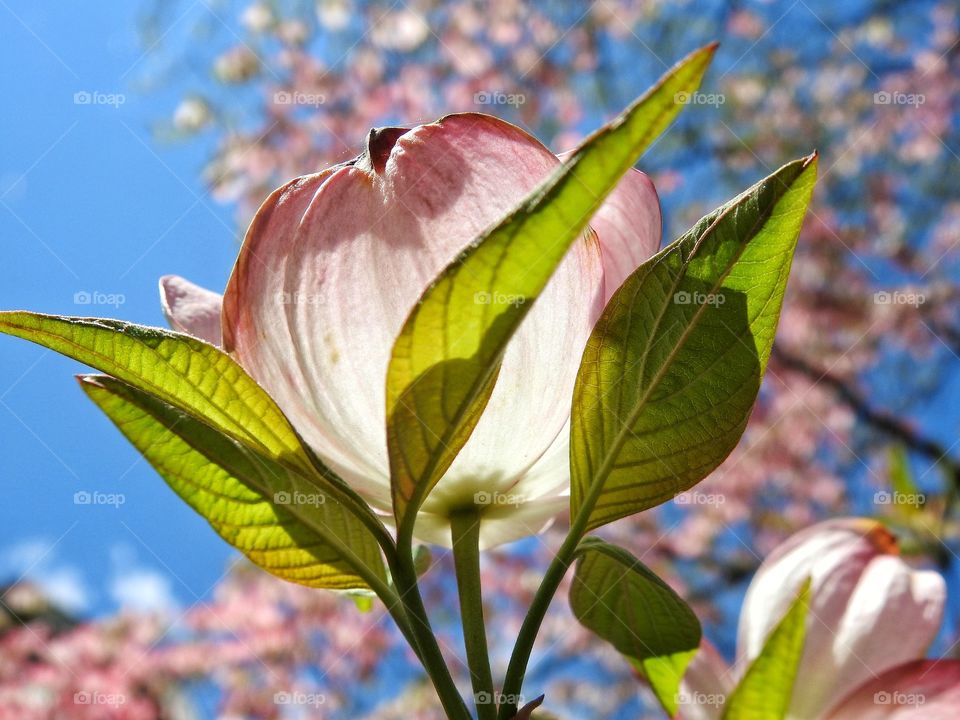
(278, 518)
(362, 599)
(765, 690)
(901, 477)
(622, 601)
(188, 374)
(447, 356)
(672, 369)
(906, 498)
(422, 559)
(178, 369)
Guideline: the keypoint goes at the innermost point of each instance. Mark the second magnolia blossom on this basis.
(871, 619)
(333, 263)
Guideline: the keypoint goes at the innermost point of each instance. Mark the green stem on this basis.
(406, 605)
(405, 578)
(465, 535)
(395, 607)
(517, 668)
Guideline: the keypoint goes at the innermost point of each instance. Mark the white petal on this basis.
(834, 553)
(350, 255)
(506, 519)
(889, 596)
(705, 686)
(630, 226)
(860, 589)
(190, 308)
(919, 690)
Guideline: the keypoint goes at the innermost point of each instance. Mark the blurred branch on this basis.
(947, 334)
(890, 425)
(877, 419)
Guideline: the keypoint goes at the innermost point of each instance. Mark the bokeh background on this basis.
(139, 137)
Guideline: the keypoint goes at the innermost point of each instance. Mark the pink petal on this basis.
(629, 225)
(351, 252)
(838, 549)
(890, 594)
(509, 517)
(705, 686)
(918, 690)
(190, 308)
(255, 328)
(860, 589)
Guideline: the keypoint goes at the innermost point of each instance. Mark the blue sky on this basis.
(91, 203)
(93, 206)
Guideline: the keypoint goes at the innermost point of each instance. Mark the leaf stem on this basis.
(405, 578)
(517, 668)
(394, 605)
(465, 535)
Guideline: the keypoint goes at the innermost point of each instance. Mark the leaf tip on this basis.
(703, 56)
(809, 166)
(90, 379)
(90, 383)
(527, 710)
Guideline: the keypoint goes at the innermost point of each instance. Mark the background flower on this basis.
(865, 362)
(871, 618)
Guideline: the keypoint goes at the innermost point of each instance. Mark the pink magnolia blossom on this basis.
(870, 621)
(918, 690)
(332, 264)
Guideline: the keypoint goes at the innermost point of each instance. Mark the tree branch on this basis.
(878, 419)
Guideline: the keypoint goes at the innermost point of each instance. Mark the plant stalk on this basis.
(465, 535)
(517, 668)
(405, 578)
